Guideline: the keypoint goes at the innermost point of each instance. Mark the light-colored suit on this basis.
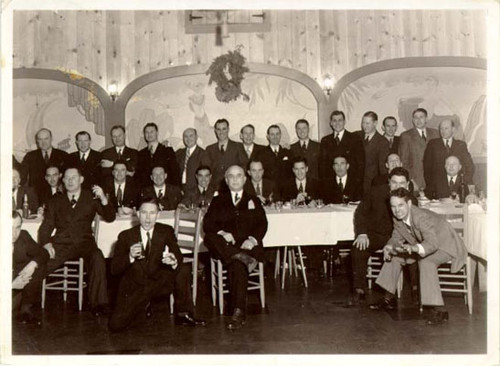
(411, 151)
(441, 244)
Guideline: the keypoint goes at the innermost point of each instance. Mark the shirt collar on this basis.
(419, 130)
(120, 148)
(274, 147)
(223, 144)
(154, 146)
(191, 149)
(302, 142)
(389, 138)
(341, 133)
(144, 237)
(370, 135)
(248, 147)
(449, 139)
(297, 182)
(233, 194)
(122, 185)
(163, 189)
(76, 194)
(407, 221)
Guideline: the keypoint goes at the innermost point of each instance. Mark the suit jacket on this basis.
(257, 149)
(267, 188)
(163, 156)
(411, 151)
(289, 189)
(34, 166)
(171, 198)
(247, 218)
(198, 157)
(394, 148)
(129, 155)
(195, 197)
(376, 151)
(311, 154)
(32, 198)
(150, 268)
(331, 193)
(130, 195)
(440, 187)
(17, 165)
(220, 162)
(383, 179)
(91, 169)
(73, 225)
(351, 146)
(433, 232)
(25, 251)
(47, 194)
(435, 156)
(276, 168)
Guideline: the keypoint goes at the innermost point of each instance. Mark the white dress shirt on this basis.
(162, 189)
(304, 182)
(233, 196)
(122, 186)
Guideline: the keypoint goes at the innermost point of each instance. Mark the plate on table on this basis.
(354, 203)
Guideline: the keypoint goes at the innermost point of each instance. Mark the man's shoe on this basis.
(249, 261)
(385, 304)
(188, 320)
(438, 317)
(355, 299)
(149, 310)
(100, 310)
(237, 320)
(28, 317)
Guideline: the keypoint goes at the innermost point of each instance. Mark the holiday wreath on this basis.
(231, 64)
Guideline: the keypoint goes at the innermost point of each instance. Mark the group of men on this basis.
(237, 179)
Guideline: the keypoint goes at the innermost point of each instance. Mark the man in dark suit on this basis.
(438, 150)
(343, 188)
(453, 180)
(275, 158)
(53, 187)
(87, 159)
(248, 149)
(300, 188)
(234, 226)
(426, 237)
(412, 144)
(263, 188)
(71, 215)
(28, 270)
(202, 194)
(19, 193)
(190, 158)
(167, 195)
(118, 152)
(36, 162)
(154, 155)
(376, 150)
(149, 262)
(223, 153)
(390, 126)
(341, 142)
(121, 189)
(306, 148)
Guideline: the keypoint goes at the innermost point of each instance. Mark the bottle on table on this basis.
(461, 190)
(26, 210)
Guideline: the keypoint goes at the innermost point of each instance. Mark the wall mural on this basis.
(63, 108)
(456, 93)
(178, 103)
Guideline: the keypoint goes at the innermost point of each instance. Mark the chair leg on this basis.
(171, 303)
(277, 263)
(468, 282)
(294, 263)
(80, 284)
(261, 284)
(283, 274)
(303, 269)
(43, 294)
(220, 286)
(290, 261)
(195, 279)
(65, 293)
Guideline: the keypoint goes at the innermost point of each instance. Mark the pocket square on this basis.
(285, 158)
(251, 205)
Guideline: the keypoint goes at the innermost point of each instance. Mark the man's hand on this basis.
(50, 249)
(388, 252)
(227, 236)
(170, 260)
(20, 281)
(262, 199)
(407, 248)
(99, 193)
(248, 244)
(362, 242)
(28, 270)
(135, 251)
(40, 211)
(106, 163)
(301, 197)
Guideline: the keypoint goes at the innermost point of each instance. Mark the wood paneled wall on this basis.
(108, 46)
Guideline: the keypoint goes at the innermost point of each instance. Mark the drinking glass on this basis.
(454, 195)
(345, 199)
(279, 205)
(319, 203)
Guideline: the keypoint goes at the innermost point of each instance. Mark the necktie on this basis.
(46, 157)
(151, 150)
(367, 139)
(423, 136)
(236, 199)
(258, 191)
(188, 154)
(337, 140)
(160, 194)
(452, 184)
(408, 227)
(203, 192)
(73, 201)
(248, 152)
(390, 143)
(83, 159)
(276, 152)
(301, 188)
(14, 202)
(341, 186)
(222, 149)
(304, 147)
(119, 154)
(119, 195)
(448, 144)
(148, 245)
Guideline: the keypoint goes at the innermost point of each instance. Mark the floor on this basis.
(296, 320)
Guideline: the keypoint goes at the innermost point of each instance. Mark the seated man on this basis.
(71, 215)
(121, 189)
(168, 195)
(234, 226)
(202, 194)
(28, 269)
(149, 262)
(53, 187)
(258, 186)
(443, 186)
(427, 237)
(344, 187)
(300, 187)
(20, 193)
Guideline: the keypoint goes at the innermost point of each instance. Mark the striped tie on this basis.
(188, 154)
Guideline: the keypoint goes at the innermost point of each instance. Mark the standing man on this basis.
(248, 149)
(263, 188)
(88, 160)
(53, 187)
(341, 142)
(149, 261)
(412, 144)
(121, 189)
(376, 150)
(36, 162)
(224, 152)
(71, 216)
(343, 187)
(19, 192)
(190, 158)
(306, 148)
(234, 226)
(390, 126)
(167, 195)
(156, 155)
(202, 194)
(275, 158)
(118, 152)
(426, 237)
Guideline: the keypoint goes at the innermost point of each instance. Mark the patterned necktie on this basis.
(119, 195)
(148, 245)
(120, 154)
(73, 201)
(258, 190)
(160, 194)
(188, 154)
(276, 152)
(337, 140)
(83, 159)
(236, 199)
(448, 145)
(423, 136)
(304, 148)
(46, 157)
(151, 150)
(341, 186)
(452, 184)
(301, 188)
(248, 152)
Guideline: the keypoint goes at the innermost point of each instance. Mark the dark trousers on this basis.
(314, 256)
(360, 259)
(95, 267)
(30, 294)
(132, 297)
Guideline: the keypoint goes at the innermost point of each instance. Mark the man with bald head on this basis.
(190, 158)
(443, 186)
(438, 150)
(36, 162)
(234, 226)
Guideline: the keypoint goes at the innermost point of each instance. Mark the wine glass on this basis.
(454, 195)
(319, 203)
(345, 199)
(279, 205)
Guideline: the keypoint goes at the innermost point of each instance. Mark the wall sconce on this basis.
(328, 84)
(113, 90)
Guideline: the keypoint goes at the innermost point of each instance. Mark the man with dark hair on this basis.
(412, 144)
(118, 152)
(167, 195)
(424, 236)
(20, 193)
(300, 188)
(189, 159)
(36, 162)
(202, 194)
(392, 161)
(87, 159)
(156, 155)
(259, 186)
(53, 187)
(341, 142)
(71, 216)
(28, 270)
(343, 187)
(149, 262)
(306, 148)
(248, 149)
(390, 126)
(121, 189)
(275, 158)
